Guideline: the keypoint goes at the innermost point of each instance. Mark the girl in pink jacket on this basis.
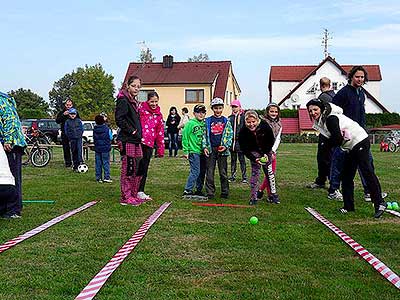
(152, 133)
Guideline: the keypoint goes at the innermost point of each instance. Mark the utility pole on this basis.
(325, 42)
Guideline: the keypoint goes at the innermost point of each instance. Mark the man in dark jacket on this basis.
(74, 131)
(324, 153)
(351, 98)
(63, 116)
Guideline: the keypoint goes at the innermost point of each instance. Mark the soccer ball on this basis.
(83, 168)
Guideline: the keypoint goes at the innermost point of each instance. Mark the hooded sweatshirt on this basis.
(152, 127)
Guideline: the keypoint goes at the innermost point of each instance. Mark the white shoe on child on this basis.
(143, 196)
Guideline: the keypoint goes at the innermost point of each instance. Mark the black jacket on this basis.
(256, 144)
(128, 120)
(61, 119)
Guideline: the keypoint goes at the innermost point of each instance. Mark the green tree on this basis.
(200, 57)
(61, 91)
(146, 56)
(30, 104)
(91, 89)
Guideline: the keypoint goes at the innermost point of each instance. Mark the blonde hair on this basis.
(252, 114)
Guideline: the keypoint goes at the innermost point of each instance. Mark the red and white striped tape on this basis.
(222, 205)
(94, 286)
(379, 266)
(393, 212)
(43, 227)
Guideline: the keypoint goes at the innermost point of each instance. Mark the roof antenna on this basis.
(325, 42)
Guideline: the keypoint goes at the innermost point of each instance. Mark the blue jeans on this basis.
(102, 161)
(76, 149)
(197, 172)
(337, 162)
(173, 143)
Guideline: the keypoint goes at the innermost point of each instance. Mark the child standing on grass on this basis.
(102, 136)
(216, 142)
(272, 117)
(152, 133)
(172, 123)
(74, 132)
(8, 193)
(256, 140)
(192, 138)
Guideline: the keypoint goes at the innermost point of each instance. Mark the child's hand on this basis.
(221, 148)
(206, 152)
(186, 156)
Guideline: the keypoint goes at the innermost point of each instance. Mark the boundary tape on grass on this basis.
(379, 266)
(393, 212)
(94, 286)
(43, 227)
(221, 205)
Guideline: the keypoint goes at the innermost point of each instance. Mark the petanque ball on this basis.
(253, 220)
(263, 160)
(389, 205)
(395, 206)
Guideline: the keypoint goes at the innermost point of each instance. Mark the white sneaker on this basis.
(107, 180)
(336, 195)
(143, 196)
(367, 197)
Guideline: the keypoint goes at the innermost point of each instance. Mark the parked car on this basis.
(88, 127)
(48, 127)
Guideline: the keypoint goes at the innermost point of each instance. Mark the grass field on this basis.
(200, 252)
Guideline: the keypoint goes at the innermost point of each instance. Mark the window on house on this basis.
(334, 86)
(142, 97)
(194, 96)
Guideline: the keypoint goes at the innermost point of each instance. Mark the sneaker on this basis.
(367, 196)
(132, 201)
(187, 193)
(260, 194)
(381, 209)
(343, 211)
(107, 180)
(143, 196)
(253, 202)
(200, 193)
(231, 179)
(275, 199)
(99, 181)
(11, 216)
(315, 185)
(270, 199)
(245, 181)
(336, 195)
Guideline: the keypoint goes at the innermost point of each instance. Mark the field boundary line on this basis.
(378, 265)
(94, 286)
(39, 229)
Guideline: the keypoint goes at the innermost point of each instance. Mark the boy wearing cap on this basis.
(74, 132)
(192, 137)
(237, 122)
(217, 140)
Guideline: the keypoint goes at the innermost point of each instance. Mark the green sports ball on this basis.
(253, 220)
(395, 206)
(389, 205)
(263, 160)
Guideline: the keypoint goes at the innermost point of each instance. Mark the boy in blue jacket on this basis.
(102, 136)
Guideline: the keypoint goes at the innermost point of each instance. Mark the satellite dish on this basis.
(295, 98)
(286, 103)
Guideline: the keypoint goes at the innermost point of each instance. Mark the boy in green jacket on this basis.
(192, 136)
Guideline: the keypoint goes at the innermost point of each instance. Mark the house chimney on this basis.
(168, 61)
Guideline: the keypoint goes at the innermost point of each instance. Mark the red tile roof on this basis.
(290, 125)
(304, 120)
(298, 73)
(183, 73)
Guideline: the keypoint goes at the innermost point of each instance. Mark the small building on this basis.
(185, 84)
(291, 87)
(301, 124)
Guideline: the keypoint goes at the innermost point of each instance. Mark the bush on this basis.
(378, 120)
(295, 138)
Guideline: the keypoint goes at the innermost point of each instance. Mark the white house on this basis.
(293, 86)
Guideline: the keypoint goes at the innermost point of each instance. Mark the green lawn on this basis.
(199, 252)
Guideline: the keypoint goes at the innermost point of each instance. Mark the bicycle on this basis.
(393, 141)
(36, 154)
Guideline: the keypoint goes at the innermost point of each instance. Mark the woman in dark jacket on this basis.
(129, 139)
(256, 140)
(173, 121)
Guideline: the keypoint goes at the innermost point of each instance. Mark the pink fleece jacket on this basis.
(152, 127)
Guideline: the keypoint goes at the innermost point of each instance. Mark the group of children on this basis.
(207, 143)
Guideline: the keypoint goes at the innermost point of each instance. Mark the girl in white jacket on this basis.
(8, 196)
(352, 138)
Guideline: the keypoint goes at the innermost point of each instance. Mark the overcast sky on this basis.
(44, 40)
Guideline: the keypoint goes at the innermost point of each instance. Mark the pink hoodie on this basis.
(152, 127)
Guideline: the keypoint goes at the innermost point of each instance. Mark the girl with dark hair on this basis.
(151, 120)
(172, 130)
(343, 132)
(129, 140)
